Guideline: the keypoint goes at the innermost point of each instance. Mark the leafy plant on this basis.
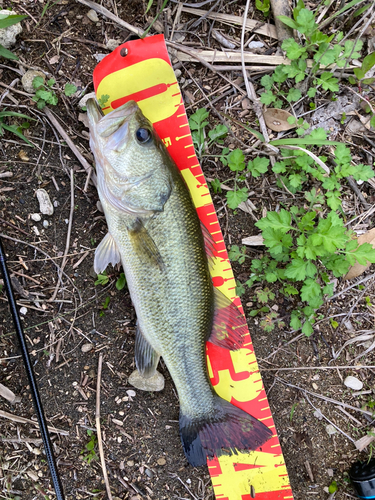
(44, 93)
(7, 20)
(121, 282)
(294, 406)
(69, 89)
(263, 6)
(303, 249)
(294, 172)
(102, 279)
(89, 451)
(235, 160)
(104, 306)
(360, 73)
(14, 129)
(103, 99)
(325, 50)
(198, 123)
(332, 488)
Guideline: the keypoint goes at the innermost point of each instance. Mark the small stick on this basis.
(23, 420)
(358, 423)
(309, 471)
(47, 258)
(105, 12)
(98, 431)
(71, 144)
(282, 8)
(250, 88)
(14, 227)
(80, 260)
(330, 400)
(67, 236)
(328, 420)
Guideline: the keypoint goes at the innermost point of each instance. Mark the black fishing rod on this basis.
(31, 376)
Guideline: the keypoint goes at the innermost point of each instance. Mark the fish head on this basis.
(133, 167)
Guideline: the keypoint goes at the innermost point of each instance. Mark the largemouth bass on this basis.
(154, 231)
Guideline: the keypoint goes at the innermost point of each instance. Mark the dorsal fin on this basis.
(229, 324)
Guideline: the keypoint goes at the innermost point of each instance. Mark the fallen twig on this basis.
(105, 12)
(67, 245)
(23, 420)
(267, 29)
(71, 144)
(281, 8)
(325, 398)
(328, 420)
(98, 431)
(250, 88)
(48, 257)
(347, 367)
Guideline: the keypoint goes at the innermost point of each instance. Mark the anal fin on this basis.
(229, 324)
(146, 358)
(106, 253)
(146, 377)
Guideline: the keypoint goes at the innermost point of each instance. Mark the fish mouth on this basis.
(124, 111)
(106, 125)
(112, 122)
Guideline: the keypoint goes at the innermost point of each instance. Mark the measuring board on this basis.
(140, 70)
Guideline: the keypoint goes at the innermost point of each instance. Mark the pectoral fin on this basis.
(146, 358)
(229, 324)
(106, 253)
(144, 245)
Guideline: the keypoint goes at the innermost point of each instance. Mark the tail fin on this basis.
(225, 431)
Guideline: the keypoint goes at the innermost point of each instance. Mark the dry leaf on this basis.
(247, 206)
(277, 119)
(256, 240)
(82, 117)
(54, 60)
(23, 156)
(8, 394)
(365, 120)
(356, 127)
(358, 269)
(364, 441)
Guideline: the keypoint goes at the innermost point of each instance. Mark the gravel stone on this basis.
(8, 35)
(353, 383)
(27, 80)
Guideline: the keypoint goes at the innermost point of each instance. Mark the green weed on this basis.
(198, 123)
(303, 250)
(89, 451)
(46, 95)
(102, 279)
(14, 129)
(264, 6)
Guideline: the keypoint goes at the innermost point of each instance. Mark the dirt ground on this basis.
(66, 334)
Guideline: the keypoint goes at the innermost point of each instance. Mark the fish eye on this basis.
(143, 135)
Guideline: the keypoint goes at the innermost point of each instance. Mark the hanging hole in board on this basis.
(124, 52)
(252, 491)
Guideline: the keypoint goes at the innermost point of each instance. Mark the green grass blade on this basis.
(7, 53)
(10, 20)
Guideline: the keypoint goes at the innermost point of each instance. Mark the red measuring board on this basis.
(140, 70)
